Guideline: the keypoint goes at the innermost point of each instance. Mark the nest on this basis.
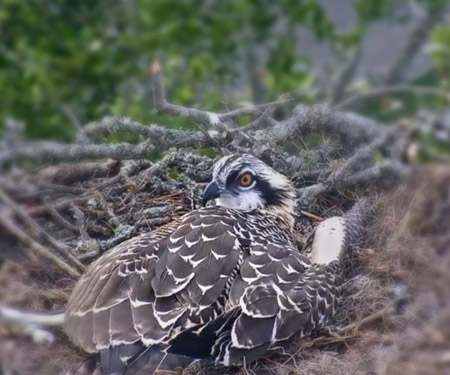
(397, 298)
(57, 219)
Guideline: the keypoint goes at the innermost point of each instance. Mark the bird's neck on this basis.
(283, 214)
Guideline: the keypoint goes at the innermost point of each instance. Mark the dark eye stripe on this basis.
(232, 177)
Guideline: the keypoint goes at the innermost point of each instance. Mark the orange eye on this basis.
(246, 180)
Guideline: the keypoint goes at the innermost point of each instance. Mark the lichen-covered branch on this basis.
(159, 139)
(349, 129)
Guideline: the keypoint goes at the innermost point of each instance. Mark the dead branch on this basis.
(161, 139)
(56, 152)
(349, 129)
(61, 221)
(64, 250)
(63, 204)
(216, 120)
(355, 326)
(68, 173)
(12, 227)
(344, 76)
(384, 174)
(261, 121)
(415, 42)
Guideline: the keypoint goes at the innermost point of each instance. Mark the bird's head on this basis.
(244, 182)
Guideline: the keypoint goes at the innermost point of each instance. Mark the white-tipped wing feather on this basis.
(217, 283)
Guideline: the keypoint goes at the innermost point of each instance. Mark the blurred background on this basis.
(64, 62)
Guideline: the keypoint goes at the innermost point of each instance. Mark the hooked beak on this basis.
(211, 192)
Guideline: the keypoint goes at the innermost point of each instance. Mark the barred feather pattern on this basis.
(217, 283)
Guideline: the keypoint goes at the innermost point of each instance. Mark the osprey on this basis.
(224, 283)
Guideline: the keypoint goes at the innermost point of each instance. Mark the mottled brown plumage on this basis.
(219, 283)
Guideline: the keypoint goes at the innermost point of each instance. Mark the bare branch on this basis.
(61, 221)
(261, 122)
(21, 235)
(64, 250)
(68, 173)
(415, 42)
(159, 139)
(81, 137)
(216, 120)
(350, 129)
(52, 151)
(359, 170)
(344, 76)
(384, 174)
(361, 159)
(254, 110)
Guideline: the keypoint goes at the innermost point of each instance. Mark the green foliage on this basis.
(440, 52)
(92, 57)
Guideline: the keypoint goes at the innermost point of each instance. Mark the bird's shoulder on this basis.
(191, 242)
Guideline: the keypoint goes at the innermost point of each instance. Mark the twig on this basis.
(81, 221)
(382, 174)
(355, 326)
(68, 173)
(81, 137)
(64, 250)
(257, 109)
(62, 221)
(311, 215)
(11, 227)
(350, 129)
(261, 122)
(216, 120)
(63, 204)
(163, 106)
(368, 319)
(161, 140)
(42, 319)
(361, 159)
(344, 76)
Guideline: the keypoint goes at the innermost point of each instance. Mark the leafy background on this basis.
(65, 61)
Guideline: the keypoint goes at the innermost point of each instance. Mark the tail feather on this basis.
(88, 367)
(356, 222)
(153, 361)
(148, 362)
